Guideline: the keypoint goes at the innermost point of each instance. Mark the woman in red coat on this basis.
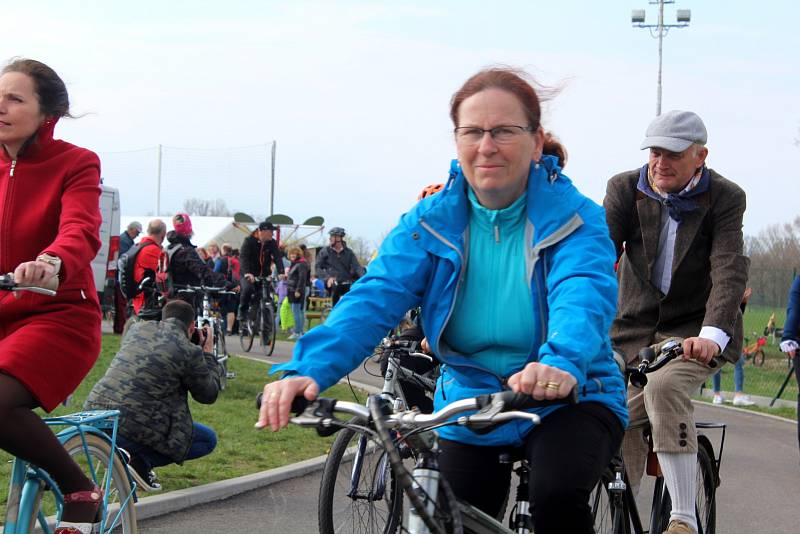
(49, 225)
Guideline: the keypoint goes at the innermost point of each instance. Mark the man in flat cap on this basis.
(677, 228)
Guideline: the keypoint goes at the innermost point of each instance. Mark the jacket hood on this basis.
(175, 238)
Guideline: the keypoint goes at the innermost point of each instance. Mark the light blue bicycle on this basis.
(34, 499)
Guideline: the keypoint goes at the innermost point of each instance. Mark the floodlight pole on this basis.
(660, 32)
(272, 181)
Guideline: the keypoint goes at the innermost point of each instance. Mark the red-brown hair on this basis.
(513, 81)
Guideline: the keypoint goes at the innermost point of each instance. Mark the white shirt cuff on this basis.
(716, 335)
(788, 345)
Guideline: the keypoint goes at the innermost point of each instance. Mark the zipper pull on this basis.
(13, 164)
(496, 233)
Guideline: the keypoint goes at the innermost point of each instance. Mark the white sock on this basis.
(680, 476)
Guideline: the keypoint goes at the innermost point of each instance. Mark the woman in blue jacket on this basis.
(513, 268)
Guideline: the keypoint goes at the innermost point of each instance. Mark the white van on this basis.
(104, 265)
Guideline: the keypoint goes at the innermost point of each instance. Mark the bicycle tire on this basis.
(759, 357)
(705, 500)
(268, 330)
(99, 448)
(607, 517)
(338, 512)
(219, 349)
(247, 331)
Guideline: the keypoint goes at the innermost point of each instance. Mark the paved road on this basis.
(760, 483)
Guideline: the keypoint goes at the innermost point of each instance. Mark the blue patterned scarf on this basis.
(676, 203)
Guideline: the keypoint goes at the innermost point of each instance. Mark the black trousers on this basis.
(568, 452)
(797, 377)
(246, 294)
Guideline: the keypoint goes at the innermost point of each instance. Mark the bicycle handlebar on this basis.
(7, 284)
(650, 363)
(492, 409)
(204, 289)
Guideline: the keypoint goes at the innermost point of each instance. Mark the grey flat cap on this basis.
(675, 131)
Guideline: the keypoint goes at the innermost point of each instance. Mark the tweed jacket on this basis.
(709, 270)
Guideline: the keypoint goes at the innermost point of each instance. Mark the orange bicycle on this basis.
(755, 351)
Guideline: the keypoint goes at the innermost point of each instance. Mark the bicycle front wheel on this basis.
(758, 358)
(609, 517)
(247, 330)
(268, 330)
(95, 461)
(358, 492)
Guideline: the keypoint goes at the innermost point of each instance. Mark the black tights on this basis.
(24, 434)
(568, 453)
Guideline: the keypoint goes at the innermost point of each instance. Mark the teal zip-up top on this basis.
(492, 320)
(569, 261)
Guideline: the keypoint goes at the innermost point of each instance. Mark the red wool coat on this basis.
(50, 204)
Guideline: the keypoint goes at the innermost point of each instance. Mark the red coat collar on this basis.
(42, 139)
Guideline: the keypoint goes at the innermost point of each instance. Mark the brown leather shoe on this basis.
(679, 527)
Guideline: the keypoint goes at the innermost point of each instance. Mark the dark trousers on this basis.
(567, 452)
(204, 440)
(797, 377)
(337, 291)
(246, 294)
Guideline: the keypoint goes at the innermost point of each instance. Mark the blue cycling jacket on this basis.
(570, 267)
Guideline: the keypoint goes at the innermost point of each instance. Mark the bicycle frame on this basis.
(27, 479)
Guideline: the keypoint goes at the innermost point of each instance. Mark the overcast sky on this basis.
(356, 94)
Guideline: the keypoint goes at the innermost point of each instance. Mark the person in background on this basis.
(150, 262)
(317, 287)
(338, 265)
(149, 382)
(791, 338)
(49, 234)
(297, 282)
(185, 264)
(259, 253)
(213, 254)
(229, 303)
(127, 237)
(201, 251)
(739, 397)
(121, 309)
(511, 221)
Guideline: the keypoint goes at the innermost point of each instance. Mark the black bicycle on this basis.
(613, 502)
(260, 320)
(209, 313)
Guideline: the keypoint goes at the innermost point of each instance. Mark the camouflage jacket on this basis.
(148, 382)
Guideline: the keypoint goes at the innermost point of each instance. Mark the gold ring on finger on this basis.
(541, 383)
(553, 385)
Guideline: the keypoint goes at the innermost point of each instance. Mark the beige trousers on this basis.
(666, 402)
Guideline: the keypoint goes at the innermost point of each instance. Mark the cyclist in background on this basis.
(259, 253)
(49, 236)
(185, 266)
(337, 265)
(513, 269)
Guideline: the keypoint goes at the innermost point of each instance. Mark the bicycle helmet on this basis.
(337, 230)
(430, 190)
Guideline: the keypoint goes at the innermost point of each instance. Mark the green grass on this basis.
(763, 381)
(240, 450)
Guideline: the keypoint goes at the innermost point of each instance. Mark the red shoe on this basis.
(94, 496)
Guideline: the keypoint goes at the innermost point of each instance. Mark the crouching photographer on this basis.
(149, 381)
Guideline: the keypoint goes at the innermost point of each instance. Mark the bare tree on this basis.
(361, 248)
(206, 208)
(774, 260)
